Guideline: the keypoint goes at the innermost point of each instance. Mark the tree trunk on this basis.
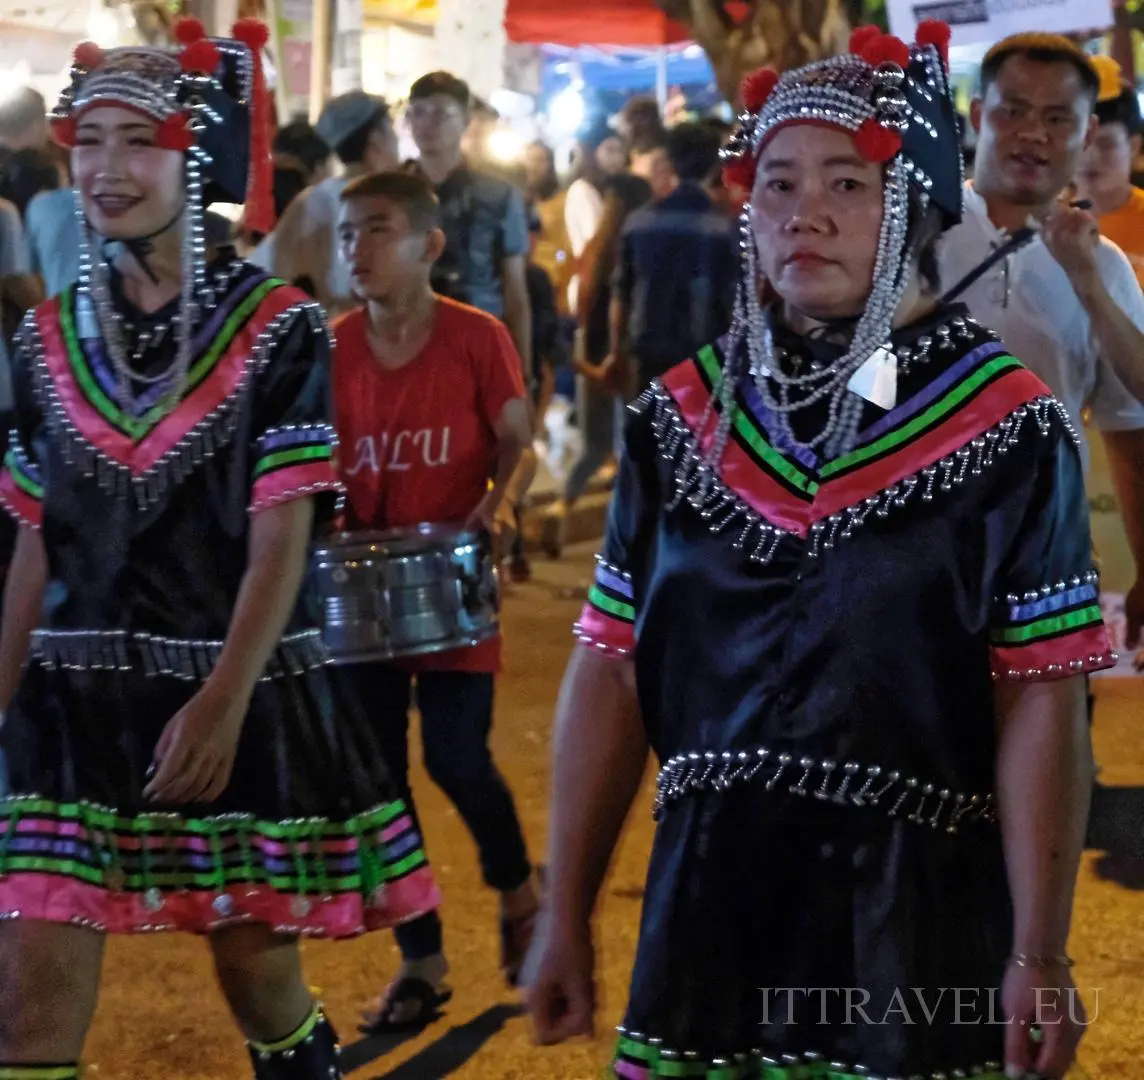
(772, 33)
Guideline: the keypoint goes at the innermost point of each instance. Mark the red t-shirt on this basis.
(418, 444)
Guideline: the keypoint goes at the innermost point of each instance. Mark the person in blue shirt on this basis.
(675, 280)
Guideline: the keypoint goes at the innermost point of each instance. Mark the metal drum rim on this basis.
(424, 537)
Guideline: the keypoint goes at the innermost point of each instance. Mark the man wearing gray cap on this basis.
(358, 128)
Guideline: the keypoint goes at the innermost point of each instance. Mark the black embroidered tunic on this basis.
(816, 644)
(145, 518)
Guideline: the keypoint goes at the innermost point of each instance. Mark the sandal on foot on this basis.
(516, 933)
(408, 988)
(516, 937)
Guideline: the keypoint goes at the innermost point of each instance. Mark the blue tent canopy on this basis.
(631, 71)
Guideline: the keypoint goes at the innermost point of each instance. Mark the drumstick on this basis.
(1017, 241)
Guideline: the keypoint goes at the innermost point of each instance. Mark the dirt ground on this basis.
(161, 1017)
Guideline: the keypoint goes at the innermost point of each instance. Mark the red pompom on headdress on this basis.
(199, 58)
(63, 131)
(252, 33)
(175, 133)
(188, 31)
(885, 49)
(87, 55)
(757, 88)
(935, 32)
(861, 37)
(876, 142)
(260, 215)
(740, 174)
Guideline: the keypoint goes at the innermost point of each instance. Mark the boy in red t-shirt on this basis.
(430, 407)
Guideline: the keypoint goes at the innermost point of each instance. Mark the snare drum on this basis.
(404, 592)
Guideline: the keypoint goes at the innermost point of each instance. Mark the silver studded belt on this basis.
(187, 659)
(843, 783)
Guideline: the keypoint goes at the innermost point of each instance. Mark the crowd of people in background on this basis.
(569, 262)
(569, 259)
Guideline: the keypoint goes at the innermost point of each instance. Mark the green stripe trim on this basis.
(298, 455)
(39, 1072)
(652, 1059)
(206, 880)
(752, 1070)
(291, 1041)
(744, 424)
(133, 826)
(137, 428)
(681, 1068)
(935, 413)
(1048, 627)
(638, 1050)
(24, 482)
(597, 598)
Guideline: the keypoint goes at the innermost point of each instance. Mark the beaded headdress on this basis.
(209, 101)
(895, 100)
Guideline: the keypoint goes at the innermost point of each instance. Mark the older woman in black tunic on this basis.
(846, 597)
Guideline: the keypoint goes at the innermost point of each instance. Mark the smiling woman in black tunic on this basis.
(179, 757)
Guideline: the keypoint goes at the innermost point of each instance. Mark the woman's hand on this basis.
(558, 976)
(1045, 998)
(195, 754)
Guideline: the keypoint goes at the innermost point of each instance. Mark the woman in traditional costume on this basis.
(846, 597)
(178, 758)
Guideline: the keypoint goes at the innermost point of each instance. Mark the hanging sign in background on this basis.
(982, 22)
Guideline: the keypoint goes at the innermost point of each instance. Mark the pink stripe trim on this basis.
(63, 900)
(630, 1071)
(764, 495)
(603, 629)
(1090, 648)
(18, 503)
(396, 828)
(207, 396)
(294, 482)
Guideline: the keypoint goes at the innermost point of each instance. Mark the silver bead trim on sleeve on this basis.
(797, 1062)
(723, 509)
(279, 438)
(185, 659)
(845, 784)
(1089, 577)
(604, 648)
(209, 436)
(612, 568)
(1077, 666)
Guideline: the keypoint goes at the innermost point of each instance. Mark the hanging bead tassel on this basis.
(310, 1053)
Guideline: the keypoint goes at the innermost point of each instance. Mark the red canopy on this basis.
(623, 23)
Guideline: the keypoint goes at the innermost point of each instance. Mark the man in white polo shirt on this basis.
(1067, 304)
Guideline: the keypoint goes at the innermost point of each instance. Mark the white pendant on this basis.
(877, 379)
(86, 324)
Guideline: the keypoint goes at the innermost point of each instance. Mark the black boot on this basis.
(311, 1053)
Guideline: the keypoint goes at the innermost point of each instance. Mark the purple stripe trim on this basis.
(766, 420)
(210, 329)
(101, 367)
(1086, 594)
(403, 845)
(924, 398)
(275, 440)
(168, 862)
(616, 584)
